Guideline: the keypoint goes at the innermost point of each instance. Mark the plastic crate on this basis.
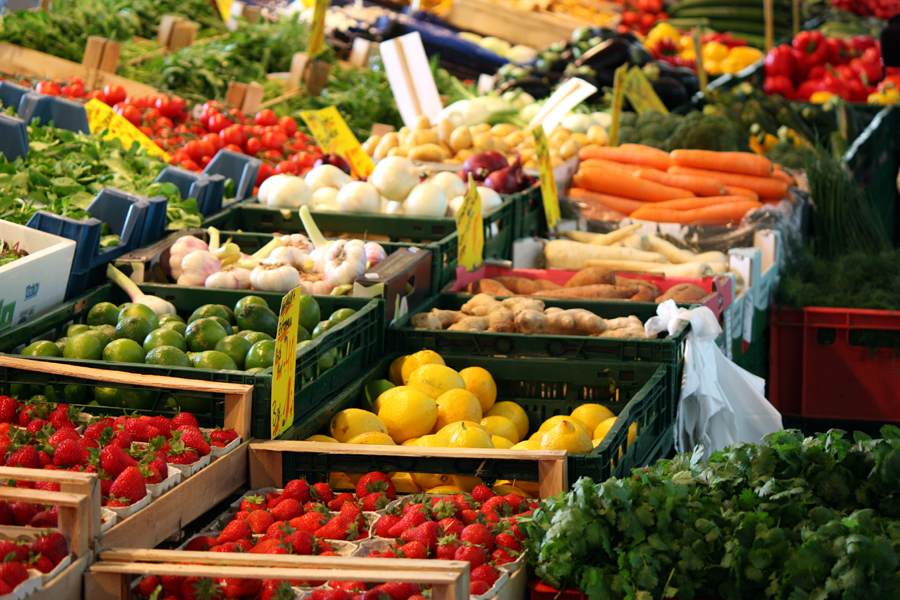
(636, 392)
(240, 168)
(530, 221)
(832, 363)
(358, 342)
(13, 137)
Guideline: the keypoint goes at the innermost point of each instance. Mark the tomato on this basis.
(115, 93)
(257, 131)
(218, 122)
(236, 115)
(273, 140)
(146, 131)
(253, 146)
(248, 130)
(647, 21)
(131, 114)
(73, 90)
(207, 115)
(190, 165)
(166, 123)
(75, 81)
(265, 117)
(265, 171)
(95, 94)
(48, 88)
(287, 166)
(164, 133)
(304, 160)
(234, 134)
(205, 161)
(141, 102)
(234, 148)
(214, 140)
(273, 155)
(630, 17)
(178, 157)
(288, 124)
(197, 130)
(195, 149)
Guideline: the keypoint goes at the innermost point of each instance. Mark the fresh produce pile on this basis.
(883, 9)
(722, 53)
(642, 15)
(694, 131)
(10, 253)
(27, 559)
(787, 518)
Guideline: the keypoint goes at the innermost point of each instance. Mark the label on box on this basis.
(470, 229)
(333, 136)
(284, 369)
(640, 93)
(316, 41)
(548, 181)
(100, 116)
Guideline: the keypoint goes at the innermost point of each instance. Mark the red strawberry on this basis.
(185, 457)
(515, 501)
(69, 453)
(259, 521)
(172, 584)
(340, 500)
(322, 492)
(318, 507)
(399, 591)
(278, 530)
(269, 546)
(376, 594)
(469, 516)
(44, 519)
(138, 429)
(474, 555)
(477, 588)
(273, 589)
(411, 519)
(13, 573)
(426, 533)
(60, 417)
(287, 509)
(8, 409)
(19, 552)
(148, 585)
(235, 530)
(479, 535)
(251, 503)
(129, 485)
(384, 525)
(451, 526)
(301, 542)
(234, 587)
(499, 505)
(516, 530)
(23, 512)
(310, 522)
(26, 457)
(297, 489)
(95, 431)
(447, 546)
(163, 425)
(65, 433)
(414, 550)
(446, 507)
(200, 544)
(121, 439)
(338, 594)
(225, 436)
(485, 573)
(339, 528)
(185, 418)
(38, 425)
(192, 437)
(374, 501)
(243, 545)
(481, 493)
(501, 556)
(6, 516)
(371, 483)
(510, 542)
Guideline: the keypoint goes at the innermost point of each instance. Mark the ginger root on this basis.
(498, 321)
(436, 319)
(517, 303)
(481, 305)
(575, 321)
(624, 327)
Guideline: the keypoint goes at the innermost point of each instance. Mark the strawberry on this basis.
(287, 509)
(99, 430)
(25, 457)
(508, 541)
(451, 526)
(371, 483)
(172, 584)
(374, 501)
(278, 530)
(399, 591)
(339, 528)
(414, 550)
(251, 503)
(481, 493)
(13, 573)
(515, 501)
(426, 533)
(350, 586)
(259, 521)
(443, 508)
(179, 455)
(69, 453)
(516, 530)
(273, 589)
(8, 409)
(200, 543)
(322, 546)
(477, 588)
(148, 585)
(6, 516)
(23, 512)
(185, 418)
(18, 551)
(114, 460)
(4, 588)
(122, 439)
(411, 519)
(138, 429)
(65, 433)
(352, 511)
(62, 417)
(485, 573)
(447, 546)
(301, 542)
(384, 525)
(44, 519)
(501, 556)
(479, 535)
(193, 438)
(499, 505)
(202, 588)
(375, 594)
(269, 546)
(235, 530)
(474, 555)
(338, 594)
(129, 485)
(310, 521)
(321, 492)
(242, 545)
(297, 489)
(234, 587)
(38, 425)
(340, 500)
(470, 516)
(225, 436)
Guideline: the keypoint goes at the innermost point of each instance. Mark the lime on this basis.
(124, 350)
(327, 359)
(164, 337)
(229, 312)
(208, 310)
(42, 348)
(255, 370)
(309, 372)
(215, 360)
(84, 346)
(105, 313)
(197, 406)
(236, 347)
(75, 329)
(309, 312)
(139, 310)
(51, 394)
(225, 324)
(341, 314)
(23, 390)
(168, 356)
(165, 318)
(302, 334)
(254, 336)
(107, 330)
(61, 343)
(374, 389)
(249, 300)
(134, 328)
(261, 354)
(75, 394)
(322, 327)
(177, 326)
(258, 318)
(101, 335)
(204, 334)
(134, 399)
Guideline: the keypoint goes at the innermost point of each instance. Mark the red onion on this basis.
(483, 164)
(335, 160)
(510, 180)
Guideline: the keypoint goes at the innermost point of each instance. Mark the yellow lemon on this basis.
(532, 488)
(504, 489)
(596, 441)
(410, 442)
(567, 436)
(537, 436)
(395, 372)
(431, 441)
(434, 380)
(466, 483)
(554, 421)
(340, 481)
(322, 438)
(456, 405)
(514, 413)
(354, 479)
(481, 383)
(604, 427)
(375, 438)
(591, 415)
(387, 395)
(501, 442)
(471, 438)
(444, 489)
(448, 431)
(502, 427)
(351, 422)
(404, 484)
(427, 481)
(527, 445)
(407, 415)
(419, 359)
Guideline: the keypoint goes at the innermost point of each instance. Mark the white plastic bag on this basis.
(721, 403)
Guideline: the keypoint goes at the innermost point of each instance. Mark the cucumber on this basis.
(738, 28)
(724, 12)
(677, 9)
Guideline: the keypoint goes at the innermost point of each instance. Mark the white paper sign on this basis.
(565, 98)
(410, 77)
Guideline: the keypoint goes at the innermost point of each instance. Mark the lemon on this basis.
(375, 438)
(408, 414)
(322, 438)
(501, 442)
(532, 488)
(405, 484)
(554, 421)
(537, 436)
(385, 395)
(527, 445)
(444, 489)
(414, 361)
(340, 481)
(603, 428)
(482, 384)
(596, 441)
(450, 430)
(505, 489)
(395, 372)
(434, 380)
(466, 483)
(410, 442)
(469, 437)
(514, 413)
(351, 422)
(432, 440)
(428, 481)
(567, 436)
(592, 415)
(502, 427)
(457, 405)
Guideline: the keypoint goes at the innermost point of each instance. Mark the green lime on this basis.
(168, 356)
(75, 329)
(255, 370)
(309, 372)
(258, 318)
(236, 347)
(75, 394)
(51, 394)
(215, 360)
(38, 399)
(124, 350)
(322, 327)
(341, 314)
(327, 359)
(374, 389)
(105, 313)
(133, 399)
(198, 406)
(249, 300)
(254, 336)
(225, 324)
(204, 334)
(134, 328)
(139, 310)
(164, 337)
(42, 348)
(302, 334)
(166, 317)
(308, 311)
(177, 326)
(61, 343)
(100, 335)
(229, 312)
(23, 390)
(261, 354)
(208, 310)
(107, 330)
(84, 346)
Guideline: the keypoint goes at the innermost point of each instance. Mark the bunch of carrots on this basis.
(690, 187)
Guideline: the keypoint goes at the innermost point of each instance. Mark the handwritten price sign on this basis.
(333, 136)
(100, 117)
(470, 229)
(285, 366)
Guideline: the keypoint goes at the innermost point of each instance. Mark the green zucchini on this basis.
(738, 28)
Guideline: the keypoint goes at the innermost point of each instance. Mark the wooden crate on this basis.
(110, 578)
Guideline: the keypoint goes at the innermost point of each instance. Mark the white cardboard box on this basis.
(33, 285)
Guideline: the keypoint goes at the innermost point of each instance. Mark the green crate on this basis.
(358, 342)
(636, 392)
(531, 221)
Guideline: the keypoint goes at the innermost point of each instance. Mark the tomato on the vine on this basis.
(234, 134)
(304, 160)
(234, 148)
(114, 93)
(195, 149)
(218, 122)
(287, 166)
(178, 157)
(265, 117)
(146, 130)
(73, 90)
(253, 146)
(190, 165)
(288, 124)
(273, 155)
(95, 95)
(131, 114)
(48, 88)
(205, 161)
(265, 171)
(273, 139)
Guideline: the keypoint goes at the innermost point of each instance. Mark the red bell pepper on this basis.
(868, 66)
(779, 84)
(780, 61)
(834, 84)
(837, 51)
(857, 44)
(808, 88)
(858, 92)
(817, 72)
(809, 49)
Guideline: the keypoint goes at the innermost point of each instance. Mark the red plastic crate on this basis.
(816, 371)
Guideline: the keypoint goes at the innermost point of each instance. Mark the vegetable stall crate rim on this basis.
(355, 343)
(637, 392)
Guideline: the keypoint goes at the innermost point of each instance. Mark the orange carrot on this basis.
(767, 187)
(699, 185)
(629, 153)
(744, 163)
(692, 203)
(718, 214)
(782, 176)
(610, 164)
(611, 181)
(733, 190)
(626, 206)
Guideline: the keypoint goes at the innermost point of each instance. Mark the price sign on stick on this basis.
(409, 74)
(284, 369)
(224, 7)
(100, 116)
(698, 49)
(548, 181)
(316, 40)
(618, 96)
(333, 136)
(640, 93)
(470, 229)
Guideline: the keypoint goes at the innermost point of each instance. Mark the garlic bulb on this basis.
(315, 284)
(345, 260)
(374, 253)
(277, 277)
(297, 240)
(197, 266)
(229, 278)
(288, 255)
(181, 248)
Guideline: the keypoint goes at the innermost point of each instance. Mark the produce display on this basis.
(28, 559)
(721, 52)
(694, 131)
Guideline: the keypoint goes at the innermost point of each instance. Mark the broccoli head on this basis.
(705, 132)
(654, 131)
(787, 155)
(627, 119)
(648, 117)
(629, 135)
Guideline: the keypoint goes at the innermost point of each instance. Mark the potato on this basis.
(500, 145)
(531, 164)
(427, 153)
(559, 137)
(581, 138)
(423, 122)
(526, 154)
(569, 149)
(514, 139)
(483, 128)
(503, 129)
(445, 129)
(370, 144)
(420, 137)
(483, 142)
(597, 135)
(460, 139)
(399, 151)
(387, 143)
(463, 154)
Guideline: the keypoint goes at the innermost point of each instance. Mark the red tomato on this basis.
(236, 115)
(304, 160)
(73, 90)
(647, 21)
(257, 131)
(205, 161)
(214, 140)
(163, 133)
(152, 114)
(142, 102)
(197, 130)
(147, 131)
(75, 81)
(288, 124)
(234, 148)
(630, 17)
(265, 117)
(95, 94)
(195, 149)
(287, 166)
(265, 171)
(234, 134)
(206, 115)
(190, 165)
(218, 122)
(166, 123)
(115, 93)
(253, 146)
(178, 157)
(273, 140)
(272, 155)
(131, 114)
(48, 88)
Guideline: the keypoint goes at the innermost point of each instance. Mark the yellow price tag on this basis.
(100, 116)
(618, 96)
(224, 7)
(285, 366)
(640, 93)
(470, 229)
(548, 181)
(334, 137)
(316, 40)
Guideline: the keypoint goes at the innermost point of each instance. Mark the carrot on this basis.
(593, 163)
(610, 181)
(692, 203)
(699, 185)
(629, 153)
(782, 176)
(744, 163)
(710, 215)
(767, 187)
(622, 205)
(733, 190)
